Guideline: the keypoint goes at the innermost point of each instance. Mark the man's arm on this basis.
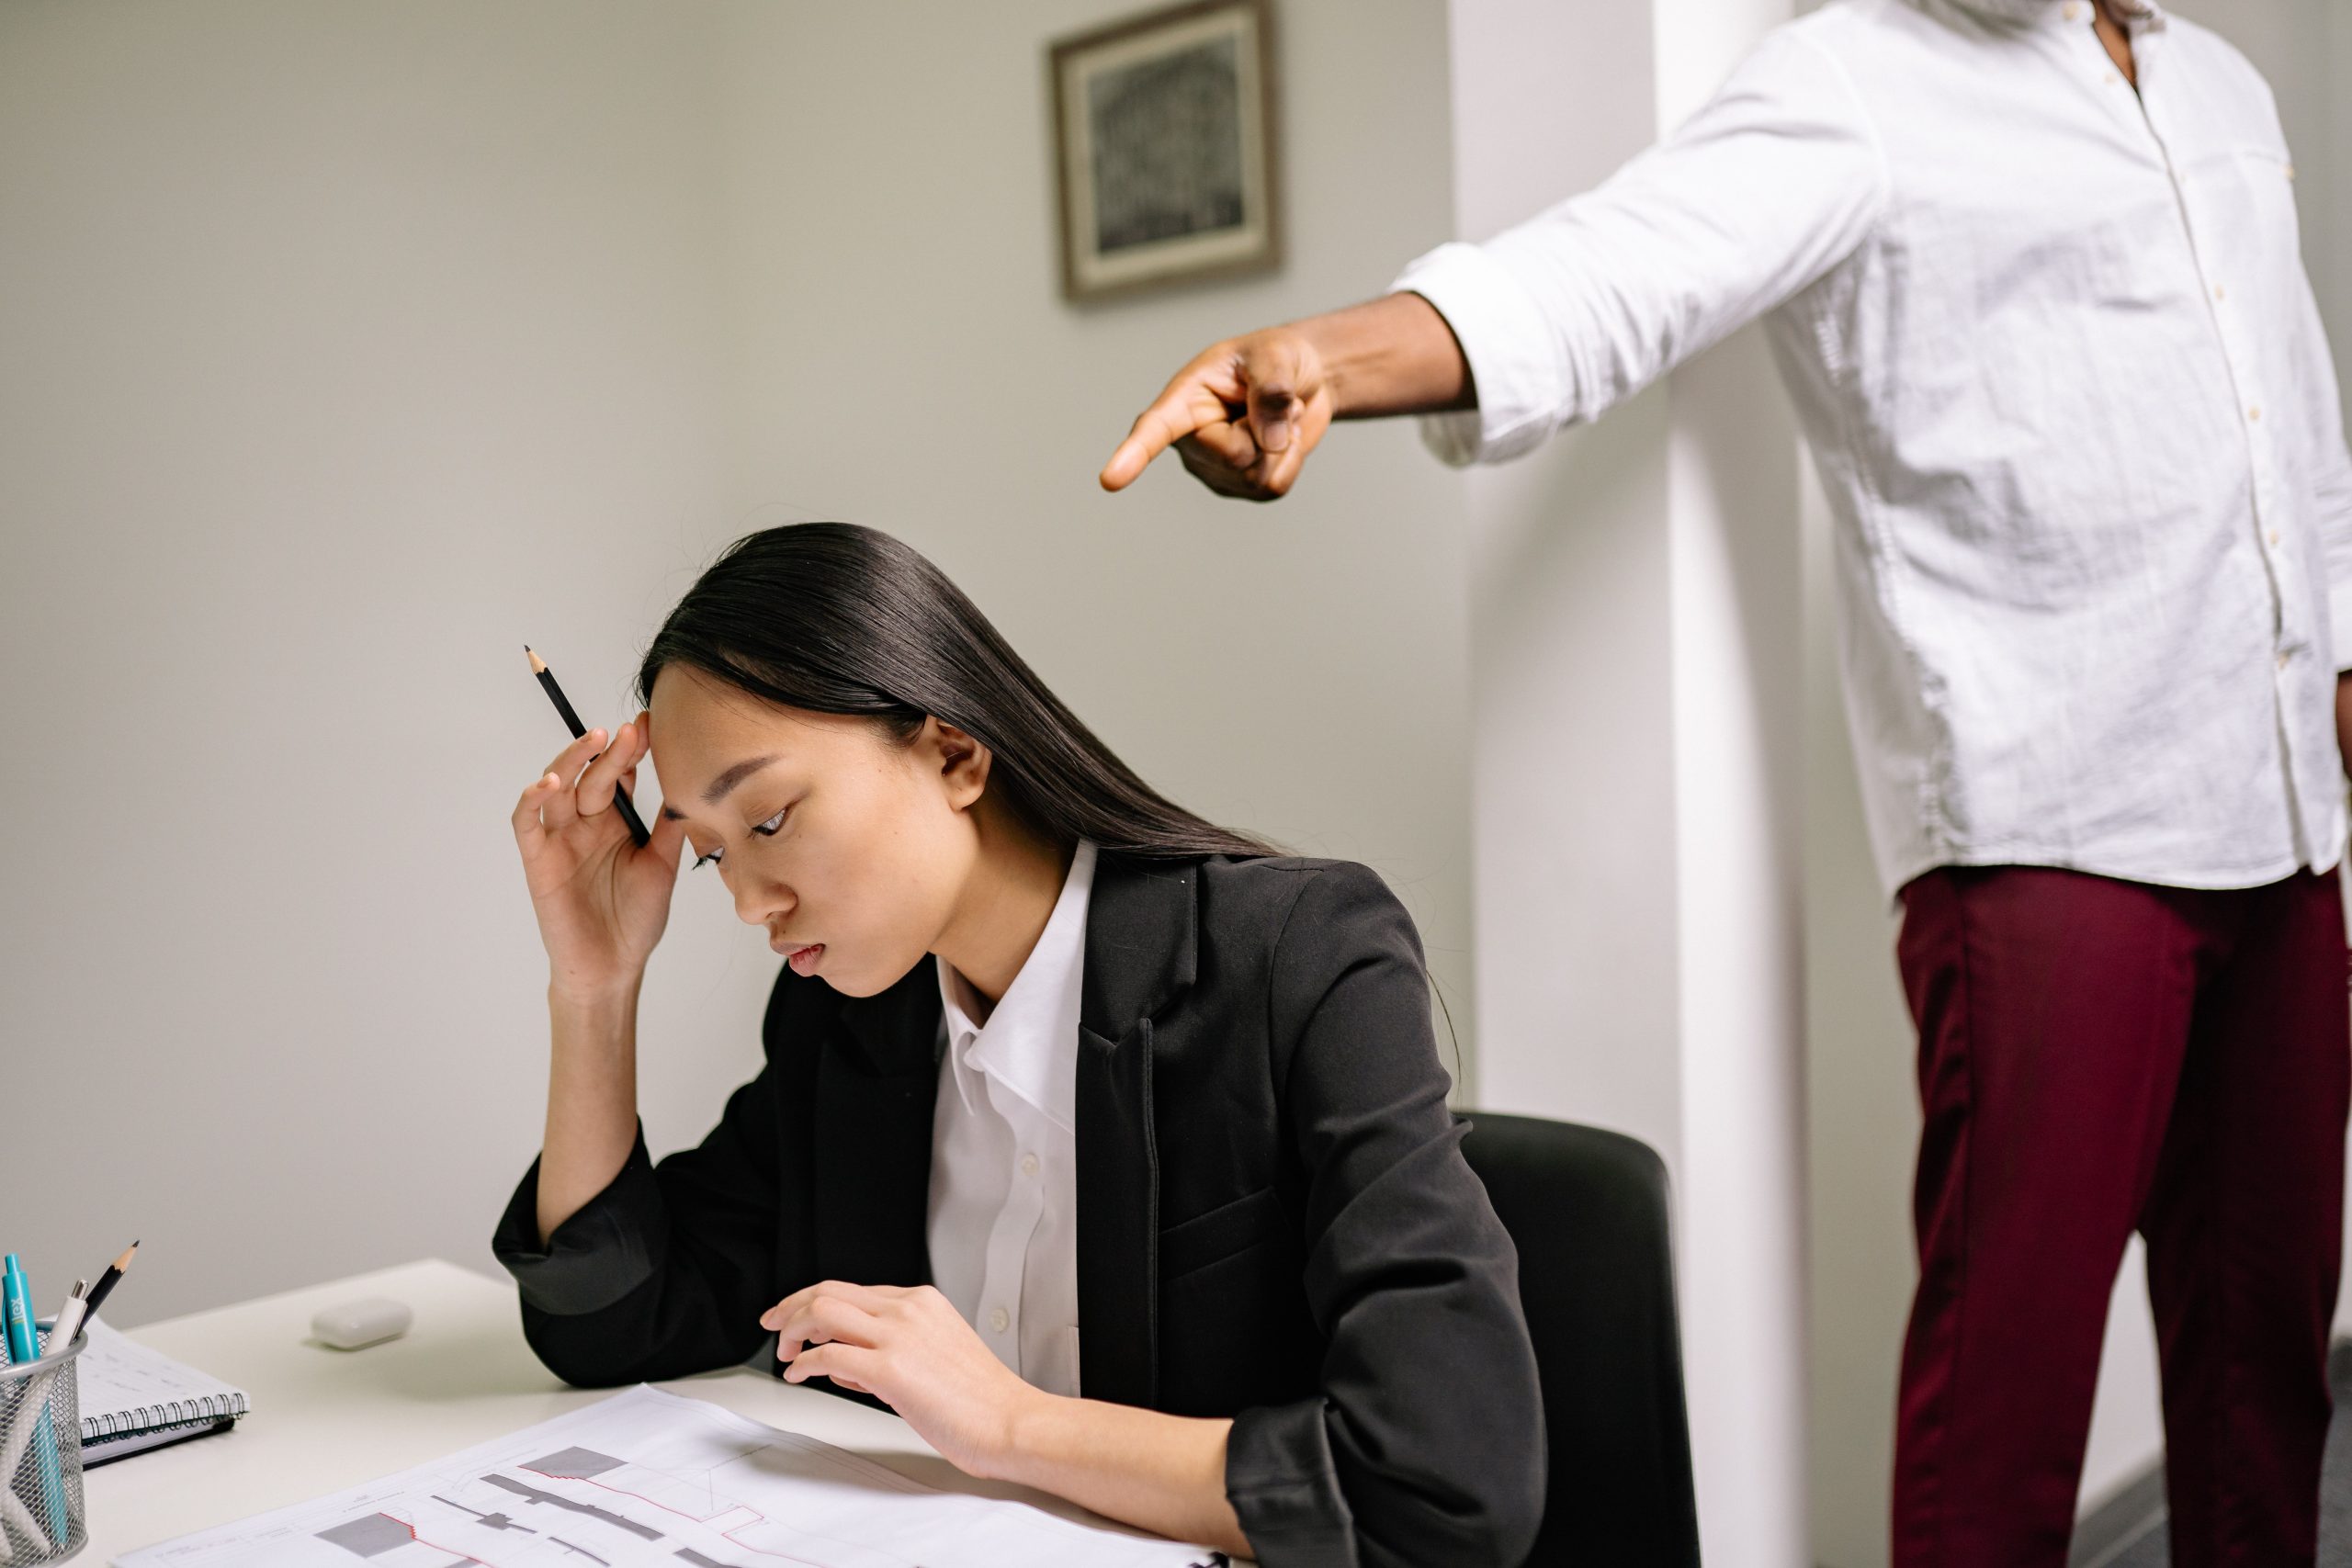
(2344, 718)
(1764, 189)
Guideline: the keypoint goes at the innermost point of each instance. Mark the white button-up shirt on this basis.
(1002, 1222)
(2052, 348)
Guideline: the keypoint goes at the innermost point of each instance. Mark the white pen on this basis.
(68, 1320)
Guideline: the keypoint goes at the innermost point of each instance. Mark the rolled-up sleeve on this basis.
(1762, 191)
(664, 1272)
(1424, 1442)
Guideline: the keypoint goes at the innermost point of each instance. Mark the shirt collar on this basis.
(1030, 1042)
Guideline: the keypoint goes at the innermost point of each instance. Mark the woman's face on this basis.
(851, 849)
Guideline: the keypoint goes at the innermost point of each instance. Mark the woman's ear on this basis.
(963, 762)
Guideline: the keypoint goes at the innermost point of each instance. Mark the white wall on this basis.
(344, 348)
(1634, 643)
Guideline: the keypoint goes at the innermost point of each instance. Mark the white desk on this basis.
(325, 1419)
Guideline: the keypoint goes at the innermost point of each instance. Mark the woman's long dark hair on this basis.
(831, 617)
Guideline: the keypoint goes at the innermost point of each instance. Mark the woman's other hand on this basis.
(601, 900)
(909, 1347)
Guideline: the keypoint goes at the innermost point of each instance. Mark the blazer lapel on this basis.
(1141, 955)
(877, 1078)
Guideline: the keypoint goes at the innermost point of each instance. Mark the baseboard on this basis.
(2137, 1508)
(2127, 1514)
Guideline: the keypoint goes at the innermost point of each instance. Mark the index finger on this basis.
(568, 761)
(1202, 393)
(869, 1298)
(596, 783)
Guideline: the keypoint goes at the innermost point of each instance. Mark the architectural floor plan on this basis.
(647, 1478)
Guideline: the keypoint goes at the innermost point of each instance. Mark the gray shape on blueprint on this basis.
(372, 1535)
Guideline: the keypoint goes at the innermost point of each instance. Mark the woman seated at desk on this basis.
(1107, 1146)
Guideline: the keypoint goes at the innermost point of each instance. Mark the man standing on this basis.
(2031, 278)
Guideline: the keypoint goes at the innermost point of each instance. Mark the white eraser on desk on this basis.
(352, 1325)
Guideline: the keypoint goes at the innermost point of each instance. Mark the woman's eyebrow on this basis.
(724, 782)
(733, 777)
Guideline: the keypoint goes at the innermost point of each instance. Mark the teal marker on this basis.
(24, 1345)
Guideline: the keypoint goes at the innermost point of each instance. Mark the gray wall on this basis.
(344, 348)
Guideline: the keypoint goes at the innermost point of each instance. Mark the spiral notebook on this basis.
(133, 1398)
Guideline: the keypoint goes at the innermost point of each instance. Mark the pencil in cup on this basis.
(621, 802)
(41, 1515)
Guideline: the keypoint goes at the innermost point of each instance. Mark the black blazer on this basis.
(1274, 1221)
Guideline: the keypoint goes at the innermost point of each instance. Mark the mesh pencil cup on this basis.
(41, 1460)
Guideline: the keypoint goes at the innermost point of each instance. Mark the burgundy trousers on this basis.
(2097, 1056)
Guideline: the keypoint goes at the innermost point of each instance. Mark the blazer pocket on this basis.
(1224, 1231)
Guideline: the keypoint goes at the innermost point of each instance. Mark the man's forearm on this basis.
(2343, 717)
(1390, 355)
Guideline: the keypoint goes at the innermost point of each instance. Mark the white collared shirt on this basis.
(2054, 350)
(1002, 1222)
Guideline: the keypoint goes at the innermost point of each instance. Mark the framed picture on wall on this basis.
(1164, 158)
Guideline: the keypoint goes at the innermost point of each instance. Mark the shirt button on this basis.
(2283, 661)
(2220, 292)
(2255, 412)
(1029, 1162)
(2074, 12)
(998, 1318)
(2274, 538)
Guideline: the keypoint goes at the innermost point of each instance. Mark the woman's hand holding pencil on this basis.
(602, 900)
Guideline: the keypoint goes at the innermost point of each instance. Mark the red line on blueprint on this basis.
(625, 1492)
(433, 1544)
(763, 1551)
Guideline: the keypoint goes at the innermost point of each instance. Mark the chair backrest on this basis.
(1588, 1210)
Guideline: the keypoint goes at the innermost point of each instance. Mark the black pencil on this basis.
(99, 1291)
(563, 704)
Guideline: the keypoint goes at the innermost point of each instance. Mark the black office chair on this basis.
(1588, 1210)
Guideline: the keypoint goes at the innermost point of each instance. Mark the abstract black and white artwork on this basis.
(1165, 158)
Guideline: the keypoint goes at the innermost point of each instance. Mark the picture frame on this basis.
(1164, 151)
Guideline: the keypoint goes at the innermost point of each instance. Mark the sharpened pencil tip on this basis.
(539, 665)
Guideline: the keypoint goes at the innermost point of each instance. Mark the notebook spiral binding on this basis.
(173, 1412)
